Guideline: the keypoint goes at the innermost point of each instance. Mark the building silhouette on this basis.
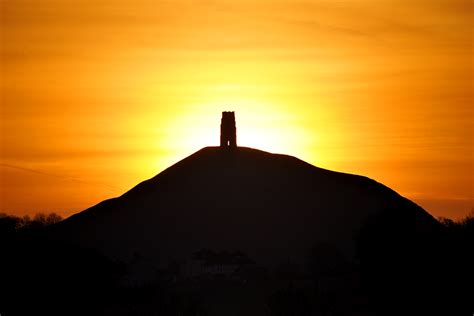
(228, 130)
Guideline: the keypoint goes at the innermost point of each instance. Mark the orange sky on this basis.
(97, 96)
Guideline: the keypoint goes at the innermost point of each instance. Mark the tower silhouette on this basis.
(228, 130)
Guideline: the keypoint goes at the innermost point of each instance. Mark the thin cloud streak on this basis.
(111, 187)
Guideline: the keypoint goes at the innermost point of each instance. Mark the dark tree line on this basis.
(10, 224)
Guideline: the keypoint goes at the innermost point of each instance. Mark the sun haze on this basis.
(98, 96)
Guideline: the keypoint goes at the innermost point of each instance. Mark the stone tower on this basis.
(228, 130)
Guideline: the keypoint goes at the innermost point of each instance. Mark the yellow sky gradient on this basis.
(97, 96)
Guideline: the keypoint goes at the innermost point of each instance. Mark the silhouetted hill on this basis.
(272, 207)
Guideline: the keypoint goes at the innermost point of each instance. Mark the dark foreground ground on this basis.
(390, 275)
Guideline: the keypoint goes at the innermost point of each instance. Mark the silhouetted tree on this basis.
(9, 225)
(40, 217)
(53, 218)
